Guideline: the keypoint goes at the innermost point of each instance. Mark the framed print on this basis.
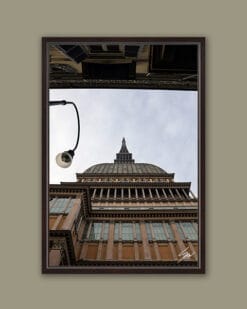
(123, 181)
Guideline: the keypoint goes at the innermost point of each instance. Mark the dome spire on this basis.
(123, 156)
(124, 148)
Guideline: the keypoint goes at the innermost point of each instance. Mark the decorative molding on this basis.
(76, 81)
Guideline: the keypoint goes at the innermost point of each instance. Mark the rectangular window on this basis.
(58, 206)
(127, 231)
(159, 232)
(61, 205)
(190, 232)
(95, 231)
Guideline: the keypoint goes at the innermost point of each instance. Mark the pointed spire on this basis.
(123, 156)
(124, 148)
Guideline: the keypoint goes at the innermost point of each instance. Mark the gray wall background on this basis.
(23, 23)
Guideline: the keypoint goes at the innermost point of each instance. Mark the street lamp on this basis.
(64, 159)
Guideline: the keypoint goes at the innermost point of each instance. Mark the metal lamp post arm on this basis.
(63, 102)
(78, 123)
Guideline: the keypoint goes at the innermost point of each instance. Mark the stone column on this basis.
(136, 193)
(145, 243)
(185, 194)
(164, 192)
(100, 245)
(157, 193)
(136, 247)
(178, 193)
(94, 193)
(143, 193)
(110, 242)
(171, 245)
(180, 243)
(101, 193)
(69, 221)
(56, 223)
(108, 194)
(173, 197)
(120, 245)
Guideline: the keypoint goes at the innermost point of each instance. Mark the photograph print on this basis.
(123, 168)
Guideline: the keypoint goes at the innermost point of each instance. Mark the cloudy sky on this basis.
(160, 127)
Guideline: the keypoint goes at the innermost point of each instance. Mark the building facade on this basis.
(164, 65)
(123, 214)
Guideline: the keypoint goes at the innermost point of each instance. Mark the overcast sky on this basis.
(160, 127)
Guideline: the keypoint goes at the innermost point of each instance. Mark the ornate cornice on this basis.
(80, 185)
(131, 175)
(76, 81)
(127, 215)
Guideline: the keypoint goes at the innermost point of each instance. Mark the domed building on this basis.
(123, 217)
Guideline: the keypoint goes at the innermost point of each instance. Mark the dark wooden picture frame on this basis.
(182, 68)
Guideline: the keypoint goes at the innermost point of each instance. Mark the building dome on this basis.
(124, 164)
(124, 168)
